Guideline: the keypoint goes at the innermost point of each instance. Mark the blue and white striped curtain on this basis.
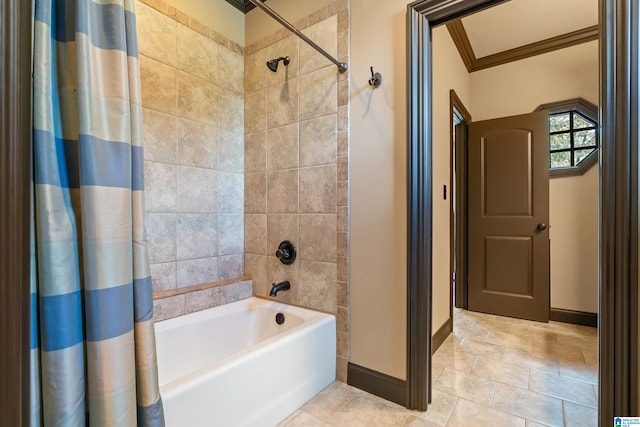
(93, 346)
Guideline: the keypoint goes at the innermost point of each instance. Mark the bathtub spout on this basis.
(276, 287)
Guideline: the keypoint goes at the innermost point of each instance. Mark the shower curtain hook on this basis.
(375, 80)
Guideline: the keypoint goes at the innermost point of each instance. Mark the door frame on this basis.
(15, 190)
(458, 222)
(618, 284)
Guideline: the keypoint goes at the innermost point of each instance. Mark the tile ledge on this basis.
(200, 287)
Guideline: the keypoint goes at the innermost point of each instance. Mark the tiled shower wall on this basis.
(193, 116)
(296, 167)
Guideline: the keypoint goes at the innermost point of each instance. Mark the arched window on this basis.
(573, 136)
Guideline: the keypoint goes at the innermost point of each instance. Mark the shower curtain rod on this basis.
(342, 67)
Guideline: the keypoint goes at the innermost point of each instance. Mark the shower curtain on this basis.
(92, 339)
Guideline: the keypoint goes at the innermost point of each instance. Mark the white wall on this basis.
(378, 303)
(219, 15)
(518, 88)
(449, 73)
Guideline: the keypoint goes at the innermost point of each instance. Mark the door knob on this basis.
(542, 226)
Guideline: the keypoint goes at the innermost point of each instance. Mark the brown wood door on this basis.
(508, 216)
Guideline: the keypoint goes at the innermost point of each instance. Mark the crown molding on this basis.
(461, 40)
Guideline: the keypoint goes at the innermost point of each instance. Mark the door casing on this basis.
(618, 287)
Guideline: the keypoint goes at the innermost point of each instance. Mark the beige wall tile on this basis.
(197, 144)
(282, 191)
(255, 152)
(160, 136)
(255, 266)
(317, 286)
(255, 237)
(230, 266)
(343, 169)
(255, 111)
(318, 189)
(197, 54)
(342, 319)
(163, 276)
(343, 143)
(343, 294)
(167, 308)
(343, 43)
(237, 291)
(318, 141)
(231, 70)
(325, 34)
(342, 344)
(343, 193)
(255, 76)
(341, 369)
(161, 236)
(231, 111)
(343, 118)
(197, 236)
(230, 234)
(255, 190)
(278, 272)
(158, 85)
(281, 227)
(157, 35)
(282, 103)
(197, 271)
(285, 47)
(343, 218)
(197, 190)
(200, 300)
(197, 99)
(318, 93)
(231, 151)
(318, 238)
(160, 187)
(231, 193)
(343, 242)
(343, 92)
(343, 269)
(282, 147)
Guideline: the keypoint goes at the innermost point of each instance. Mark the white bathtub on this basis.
(233, 365)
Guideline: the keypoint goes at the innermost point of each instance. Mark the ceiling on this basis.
(521, 22)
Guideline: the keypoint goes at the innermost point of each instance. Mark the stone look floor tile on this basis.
(440, 409)
(517, 376)
(476, 389)
(528, 404)
(467, 413)
(472, 389)
(482, 348)
(562, 387)
(580, 416)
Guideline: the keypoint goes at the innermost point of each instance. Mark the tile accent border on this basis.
(194, 24)
(339, 7)
(575, 317)
(377, 383)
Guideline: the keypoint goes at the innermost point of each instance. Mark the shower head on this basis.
(273, 64)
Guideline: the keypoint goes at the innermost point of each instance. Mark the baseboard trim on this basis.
(374, 382)
(575, 317)
(441, 335)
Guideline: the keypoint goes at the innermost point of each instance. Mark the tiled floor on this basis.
(493, 371)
